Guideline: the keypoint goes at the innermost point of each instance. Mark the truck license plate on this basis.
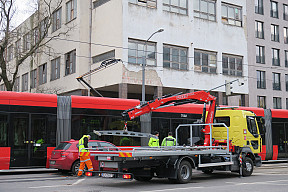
(107, 175)
(52, 162)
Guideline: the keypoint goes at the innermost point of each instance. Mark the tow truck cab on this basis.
(245, 129)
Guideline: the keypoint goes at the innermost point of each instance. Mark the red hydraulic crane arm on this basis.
(174, 100)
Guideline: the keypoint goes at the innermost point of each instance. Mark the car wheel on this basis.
(247, 167)
(184, 173)
(75, 167)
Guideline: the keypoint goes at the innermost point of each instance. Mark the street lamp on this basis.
(144, 63)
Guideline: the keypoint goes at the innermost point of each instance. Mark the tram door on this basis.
(280, 138)
(30, 136)
(19, 140)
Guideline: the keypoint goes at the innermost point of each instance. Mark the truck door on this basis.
(255, 140)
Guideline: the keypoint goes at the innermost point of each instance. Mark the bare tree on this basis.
(37, 32)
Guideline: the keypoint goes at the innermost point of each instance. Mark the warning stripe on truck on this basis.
(84, 153)
(125, 154)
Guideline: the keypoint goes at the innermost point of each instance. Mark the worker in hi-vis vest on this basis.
(154, 140)
(84, 156)
(169, 141)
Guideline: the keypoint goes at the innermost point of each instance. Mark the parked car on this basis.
(66, 157)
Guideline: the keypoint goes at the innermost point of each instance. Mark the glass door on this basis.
(20, 140)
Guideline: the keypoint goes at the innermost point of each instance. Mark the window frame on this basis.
(70, 62)
(275, 57)
(202, 14)
(259, 9)
(55, 64)
(230, 65)
(274, 14)
(33, 78)
(276, 81)
(42, 74)
(136, 52)
(260, 54)
(57, 19)
(261, 79)
(285, 34)
(169, 7)
(261, 101)
(285, 12)
(25, 82)
(274, 33)
(71, 10)
(172, 62)
(145, 3)
(277, 103)
(259, 33)
(202, 68)
(227, 19)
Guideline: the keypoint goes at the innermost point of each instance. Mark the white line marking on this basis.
(67, 185)
(32, 179)
(176, 189)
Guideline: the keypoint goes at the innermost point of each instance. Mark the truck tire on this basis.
(142, 178)
(247, 167)
(184, 173)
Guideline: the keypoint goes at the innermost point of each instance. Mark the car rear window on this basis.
(63, 146)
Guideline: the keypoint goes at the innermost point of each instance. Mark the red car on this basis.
(66, 157)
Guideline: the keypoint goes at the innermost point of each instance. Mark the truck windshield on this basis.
(252, 126)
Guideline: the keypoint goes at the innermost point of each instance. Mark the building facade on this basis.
(204, 43)
(268, 35)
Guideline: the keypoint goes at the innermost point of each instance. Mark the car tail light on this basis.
(127, 176)
(64, 154)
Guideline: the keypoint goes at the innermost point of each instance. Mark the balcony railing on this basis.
(259, 10)
(274, 14)
(260, 59)
(261, 84)
(276, 62)
(276, 86)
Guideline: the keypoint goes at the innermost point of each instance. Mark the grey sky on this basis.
(24, 8)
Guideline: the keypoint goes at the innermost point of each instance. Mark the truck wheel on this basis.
(184, 173)
(142, 178)
(247, 167)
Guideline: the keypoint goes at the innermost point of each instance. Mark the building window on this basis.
(286, 58)
(275, 57)
(285, 35)
(231, 15)
(16, 86)
(286, 103)
(261, 79)
(259, 29)
(232, 65)
(44, 28)
(261, 102)
(55, 69)
(57, 17)
(71, 10)
(17, 47)
(103, 56)
(260, 54)
(136, 50)
(285, 12)
(145, 3)
(25, 82)
(275, 33)
(176, 6)
(26, 42)
(274, 9)
(276, 81)
(286, 82)
(277, 103)
(10, 53)
(35, 36)
(175, 57)
(33, 78)
(70, 62)
(205, 61)
(205, 9)
(3, 88)
(43, 74)
(259, 7)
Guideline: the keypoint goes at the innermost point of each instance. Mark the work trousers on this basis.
(85, 160)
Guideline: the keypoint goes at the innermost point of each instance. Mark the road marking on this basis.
(77, 182)
(32, 179)
(260, 182)
(176, 189)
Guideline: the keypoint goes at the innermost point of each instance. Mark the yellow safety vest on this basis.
(81, 144)
(153, 142)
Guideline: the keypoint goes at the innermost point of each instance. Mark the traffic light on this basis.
(228, 88)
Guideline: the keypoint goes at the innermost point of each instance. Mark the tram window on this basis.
(225, 120)
(3, 131)
(252, 127)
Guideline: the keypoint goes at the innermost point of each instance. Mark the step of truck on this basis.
(214, 164)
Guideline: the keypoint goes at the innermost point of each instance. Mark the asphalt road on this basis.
(269, 177)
